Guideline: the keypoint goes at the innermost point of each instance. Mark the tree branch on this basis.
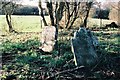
(69, 70)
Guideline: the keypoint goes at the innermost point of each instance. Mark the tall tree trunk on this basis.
(68, 14)
(119, 13)
(42, 15)
(58, 16)
(50, 9)
(56, 36)
(85, 20)
(8, 19)
(87, 14)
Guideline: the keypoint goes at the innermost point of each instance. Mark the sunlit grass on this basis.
(33, 23)
(22, 23)
(97, 22)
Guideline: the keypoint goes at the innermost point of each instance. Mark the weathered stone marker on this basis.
(48, 38)
(83, 47)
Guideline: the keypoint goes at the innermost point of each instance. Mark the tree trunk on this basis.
(87, 14)
(8, 19)
(56, 37)
(58, 16)
(85, 20)
(119, 13)
(50, 9)
(68, 14)
(42, 15)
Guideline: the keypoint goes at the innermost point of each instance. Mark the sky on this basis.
(35, 2)
(30, 2)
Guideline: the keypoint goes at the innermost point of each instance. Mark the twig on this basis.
(68, 62)
(69, 70)
(76, 76)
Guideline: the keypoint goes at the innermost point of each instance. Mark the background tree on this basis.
(0, 7)
(26, 10)
(8, 7)
(119, 13)
(114, 11)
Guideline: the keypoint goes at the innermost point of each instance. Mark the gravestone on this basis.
(83, 47)
(48, 38)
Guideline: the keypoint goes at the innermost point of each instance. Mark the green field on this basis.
(23, 60)
(22, 23)
(33, 23)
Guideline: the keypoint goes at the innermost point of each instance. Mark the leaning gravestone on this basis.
(48, 38)
(83, 47)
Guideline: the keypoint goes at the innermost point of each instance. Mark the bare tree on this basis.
(77, 10)
(8, 8)
(72, 12)
(115, 9)
(73, 9)
(55, 14)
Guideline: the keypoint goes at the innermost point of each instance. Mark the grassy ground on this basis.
(33, 23)
(23, 60)
(22, 23)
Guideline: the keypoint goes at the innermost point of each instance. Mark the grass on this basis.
(33, 23)
(22, 23)
(23, 59)
(96, 22)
